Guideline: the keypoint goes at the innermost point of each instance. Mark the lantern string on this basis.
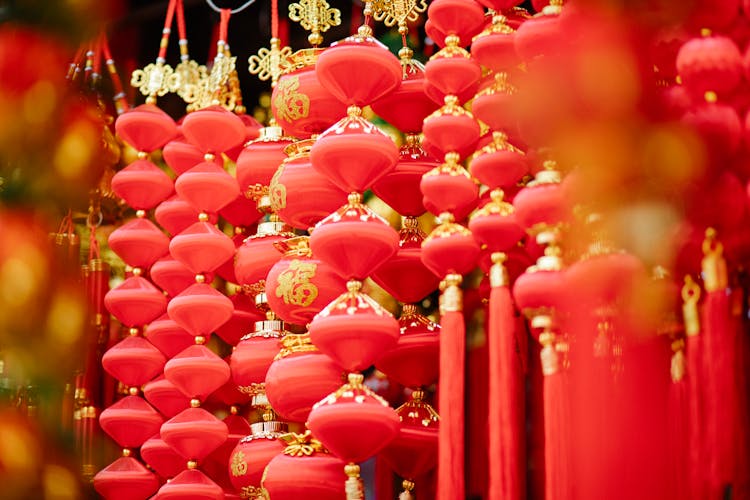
(121, 104)
(181, 21)
(275, 19)
(224, 25)
(233, 11)
(166, 31)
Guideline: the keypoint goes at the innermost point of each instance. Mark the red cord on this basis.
(224, 25)
(166, 31)
(181, 20)
(275, 19)
(121, 104)
(97, 66)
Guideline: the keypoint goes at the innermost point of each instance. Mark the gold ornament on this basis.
(392, 12)
(315, 16)
(156, 79)
(294, 284)
(238, 465)
(291, 104)
(270, 63)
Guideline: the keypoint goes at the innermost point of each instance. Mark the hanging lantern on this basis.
(169, 337)
(181, 156)
(130, 421)
(315, 196)
(299, 377)
(171, 275)
(540, 35)
(214, 129)
(201, 247)
(135, 302)
(298, 286)
(162, 458)
(175, 215)
(304, 469)
(207, 187)
(499, 164)
(125, 478)
(190, 483)
(301, 105)
(494, 48)
(413, 453)
(142, 184)
(710, 63)
(133, 361)
(200, 309)
(461, 18)
(246, 312)
(257, 255)
(165, 397)
(146, 128)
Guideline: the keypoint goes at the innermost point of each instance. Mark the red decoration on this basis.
(712, 63)
(261, 158)
(452, 73)
(299, 378)
(135, 302)
(254, 354)
(200, 309)
(495, 47)
(130, 421)
(142, 185)
(257, 255)
(354, 153)
(194, 433)
(450, 248)
(133, 361)
(207, 187)
(241, 212)
(197, 372)
(165, 397)
(168, 336)
(413, 362)
(540, 35)
(354, 329)
(315, 196)
(190, 483)
(162, 458)
(450, 129)
(171, 275)
(146, 127)
(353, 422)
(407, 106)
(125, 479)
(175, 215)
(499, 164)
(202, 247)
(449, 188)
(214, 129)
(300, 104)
(369, 240)
(400, 187)
(358, 70)
(252, 454)
(139, 243)
(181, 156)
(299, 285)
(404, 276)
(245, 313)
(495, 225)
(463, 18)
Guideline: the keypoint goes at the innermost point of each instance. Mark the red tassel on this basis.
(556, 420)
(678, 423)
(719, 390)
(506, 416)
(450, 484)
(695, 471)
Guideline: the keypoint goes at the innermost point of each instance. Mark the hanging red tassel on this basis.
(506, 416)
(451, 391)
(695, 472)
(719, 388)
(556, 415)
(678, 423)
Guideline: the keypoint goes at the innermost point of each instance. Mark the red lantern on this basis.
(125, 479)
(252, 454)
(200, 309)
(413, 453)
(414, 360)
(202, 247)
(404, 276)
(450, 248)
(130, 421)
(354, 240)
(194, 433)
(298, 286)
(167, 336)
(260, 159)
(214, 129)
(300, 377)
(354, 329)
(400, 188)
(305, 470)
(142, 184)
(450, 129)
(711, 63)
(197, 372)
(165, 397)
(499, 164)
(254, 354)
(355, 424)
(175, 215)
(315, 196)
(181, 156)
(171, 275)
(245, 313)
(300, 104)
(463, 18)
(354, 153)
(139, 243)
(494, 48)
(407, 106)
(495, 225)
(257, 255)
(241, 213)
(451, 71)
(542, 202)
(190, 483)
(207, 187)
(133, 361)
(358, 70)
(146, 127)
(449, 188)
(494, 104)
(162, 458)
(135, 302)
(540, 35)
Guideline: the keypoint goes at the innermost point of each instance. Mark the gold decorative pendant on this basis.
(294, 284)
(315, 16)
(190, 74)
(156, 79)
(269, 63)
(392, 12)
(291, 105)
